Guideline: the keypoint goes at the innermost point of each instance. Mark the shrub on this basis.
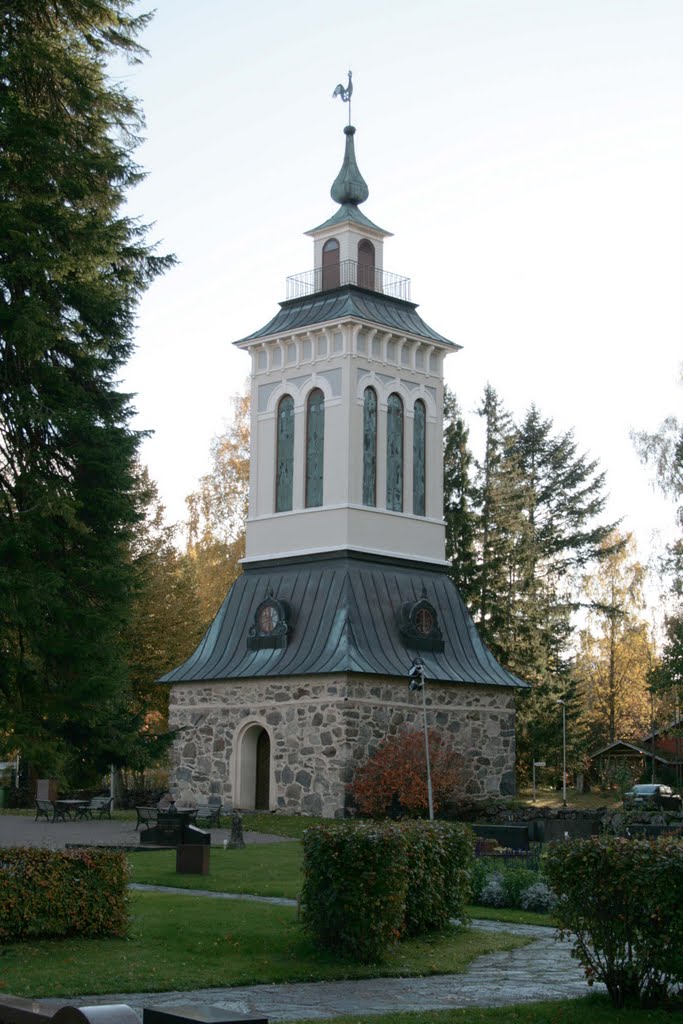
(397, 772)
(479, 875)
(621, 898)
(354, 891)
(439, 860)
(492, 894)
(539, 897)
(62, 892)
(515, 879)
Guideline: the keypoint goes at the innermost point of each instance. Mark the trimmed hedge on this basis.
(354, 891)
(440, 859)
(621, 899)
(48, 893)
(366, 885)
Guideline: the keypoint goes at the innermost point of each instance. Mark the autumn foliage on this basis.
(395, 777)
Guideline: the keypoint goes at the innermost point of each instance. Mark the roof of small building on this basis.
(349, 301)
(345, 617)
(622, 748)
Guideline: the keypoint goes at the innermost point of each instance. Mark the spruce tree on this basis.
(72, 268)
(458, 491)
(562, 500)
(497, 497)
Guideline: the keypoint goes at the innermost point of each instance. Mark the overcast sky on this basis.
(526, 154)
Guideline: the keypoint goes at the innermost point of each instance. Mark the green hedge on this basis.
(366, 885)
(440, 859)
(47, 893)
(354, 891)
(622, 899)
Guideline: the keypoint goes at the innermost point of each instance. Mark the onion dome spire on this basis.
(349, 186)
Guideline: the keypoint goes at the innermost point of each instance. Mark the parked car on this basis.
(653, 795)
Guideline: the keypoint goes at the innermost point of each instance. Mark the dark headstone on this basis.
(236, 831)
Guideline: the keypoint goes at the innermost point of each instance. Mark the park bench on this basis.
(209, 813)
(147, 816)
(98, 805)
(49, 810)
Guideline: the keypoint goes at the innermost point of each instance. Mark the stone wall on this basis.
(320, 729)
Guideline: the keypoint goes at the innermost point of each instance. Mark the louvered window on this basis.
(284, 484)
(315, 443)
(395, 453)
(419, 426)
(370, 447)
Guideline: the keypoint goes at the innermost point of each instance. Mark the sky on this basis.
(526, 154)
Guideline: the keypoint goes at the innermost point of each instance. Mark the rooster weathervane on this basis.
(345, 94)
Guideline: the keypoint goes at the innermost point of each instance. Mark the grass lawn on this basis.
(576, 801)
(593, 1009)
(270, 869)
(186, 942)
(264, 869)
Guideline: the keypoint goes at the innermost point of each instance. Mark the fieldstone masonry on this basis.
(322, 728)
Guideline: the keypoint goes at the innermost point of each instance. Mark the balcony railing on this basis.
(348, 272)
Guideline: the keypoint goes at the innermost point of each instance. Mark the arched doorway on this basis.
(253, 769)
(262, 795)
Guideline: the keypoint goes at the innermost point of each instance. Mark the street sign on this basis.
(539, 764)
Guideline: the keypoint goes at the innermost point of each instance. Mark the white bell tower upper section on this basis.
(346, 403)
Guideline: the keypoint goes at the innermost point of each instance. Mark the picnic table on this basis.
(77, 808)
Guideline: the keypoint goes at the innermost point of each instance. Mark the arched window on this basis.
(366, 264)
(284, 483)
(395, 453)
(331, 264)
(315, 443)
(370, 447)
(419, 426)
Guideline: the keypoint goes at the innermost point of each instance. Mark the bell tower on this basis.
(303, 671)
(346, 403)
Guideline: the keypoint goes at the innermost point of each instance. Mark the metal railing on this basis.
(348, 272)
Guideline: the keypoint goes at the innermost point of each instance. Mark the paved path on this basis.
(21, 830)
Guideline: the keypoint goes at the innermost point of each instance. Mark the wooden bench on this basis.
(49, 810)
(147, 816)
(209, 813)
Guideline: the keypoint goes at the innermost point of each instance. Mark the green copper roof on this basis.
(349, 186)
(349, 302)
(349, 190)
(349, 211)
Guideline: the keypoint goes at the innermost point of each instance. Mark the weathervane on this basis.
(345, 94)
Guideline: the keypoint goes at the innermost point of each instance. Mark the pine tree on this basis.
(459, 497)
(72, 268)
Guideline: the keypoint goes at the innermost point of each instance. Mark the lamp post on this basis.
(564, 751)
(417, 682)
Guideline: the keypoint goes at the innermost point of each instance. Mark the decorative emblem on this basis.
(419, 625)
(271, 625)
(345, 94)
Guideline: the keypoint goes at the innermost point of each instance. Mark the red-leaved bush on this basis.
(395, 777)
